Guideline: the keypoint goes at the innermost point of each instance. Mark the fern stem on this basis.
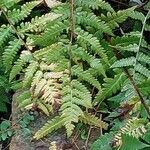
(72, 29)
(140, 41)
(15, 30)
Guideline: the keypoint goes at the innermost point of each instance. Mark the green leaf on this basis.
(131, 143)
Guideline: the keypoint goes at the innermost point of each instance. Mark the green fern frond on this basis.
(62, 9)
(113, 19)
(50, 126)
(10, 53)
(143, 70)
(42, 53)
(96, 4)
(126, 40)
(86, 76)
(137, 15)
(103, 143)
(145, 87)
(111, 86)
(29, 73)
(50, 34)
(5, 33)
(70, 104)
(93, 121)
(8, 3)
(25, 57)
(17, 15)
(90, 19)
(130, 48)
(143, 58)
(22, 96)
(134, 127)
(85, 39)
(130, 143)
(37, 24)
(80, 53)
(130, 61)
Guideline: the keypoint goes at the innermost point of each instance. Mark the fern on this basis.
(84, 75)
(30, 73)
(96, 4)
(103, 142)
(17, 15)
(92, 120)
(112, 19)
(136, 144)
(64, 63)
(70, 104)
(5, 33)
(10, 53)
(36, 24)
(85, 39)
(51, 33)
(50, 126)
(8, 3)
(17, 68)
(89, 19)
(124, 62)
(111, 86)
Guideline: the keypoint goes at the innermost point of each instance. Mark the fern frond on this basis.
(29, 73)
(111, 86)
(145, 87)
(131, 48)
(134, 127)
(143, 58)
(50, 34)
(85, 39)
(5, 33)
(8, 3)
(130, 61)
(95, 4)
(93, 121)
(22, 96)
(130, 143)
(90, 19)
(37, 77)
(126, 40)
(143, 70)
(25, 57)
(80, 53)
(50, 126)
(113, 19)
(137, 15)
(10, 53)
(42, 106)
(17, 15)
(36, 92)
(103, 143)
(37, 24)
(86, 76)
(70, 104)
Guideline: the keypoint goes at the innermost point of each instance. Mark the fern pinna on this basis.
(67, 61)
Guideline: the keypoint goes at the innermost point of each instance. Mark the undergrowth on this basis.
(77, 62)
